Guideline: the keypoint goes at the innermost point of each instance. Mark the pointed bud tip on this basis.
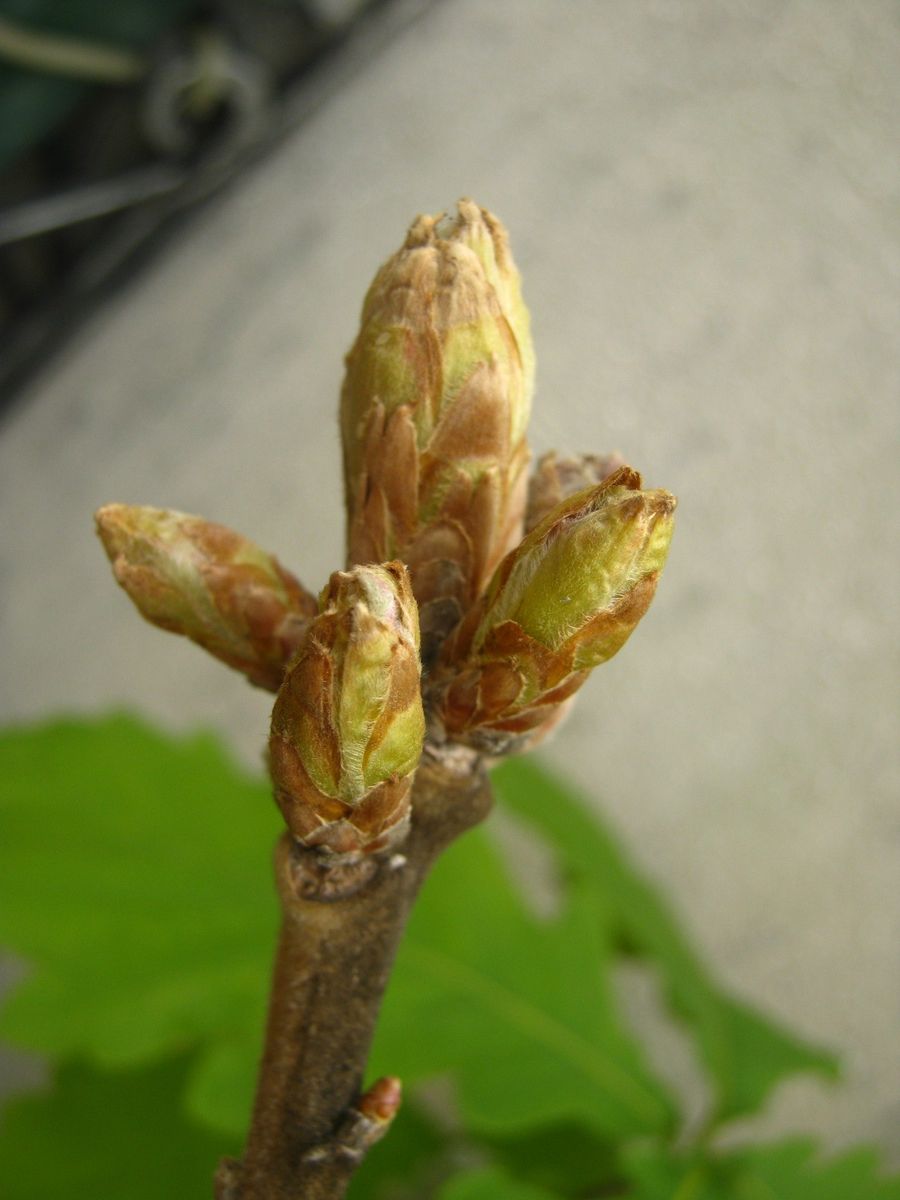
(104, 515)
(624, 487)
(451, 226)
(121, 526)
(383, 589)
(113, 523)
(556, 477)
(382, 1101)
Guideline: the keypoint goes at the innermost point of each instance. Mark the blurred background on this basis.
(703, 200)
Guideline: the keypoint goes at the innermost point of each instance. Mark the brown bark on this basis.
(341, 928)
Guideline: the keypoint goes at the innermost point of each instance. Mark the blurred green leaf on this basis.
(744, 1052)
(519, 1010)
(137, 878)
(491, 1184)
(137, 884)
(655, 1173)
(785, 1171)
(107, 1136)
(565, 1158)
(791, 1171)
(402, 1165)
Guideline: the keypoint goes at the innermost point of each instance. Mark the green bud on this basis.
(212, 585)
(348, 725)
(434, 409)
(564, 601)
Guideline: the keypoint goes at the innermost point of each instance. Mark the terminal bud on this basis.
(434, 408)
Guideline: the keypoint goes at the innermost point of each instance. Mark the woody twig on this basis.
(449, 641)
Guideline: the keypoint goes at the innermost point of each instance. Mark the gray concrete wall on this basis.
(703, 201)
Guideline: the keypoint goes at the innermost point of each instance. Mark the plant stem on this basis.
(341, 928)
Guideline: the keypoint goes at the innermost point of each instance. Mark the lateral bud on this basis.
(203, 580)
(434, 408)
(348, 725)
(564, 601)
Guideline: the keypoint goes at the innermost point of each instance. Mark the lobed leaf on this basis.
(137, 886)
(136, 883)
(744, 1053)
(117, 1135)
(521, 1011)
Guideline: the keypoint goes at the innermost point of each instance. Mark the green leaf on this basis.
(137, 884)
(491, 1184)
(400, 1165)
(565, 1158)
(519, 1010)
(791, 1171)
(219, 1090)
(656, 1173)
(119, 1136)
(744, 1052)
(784, 1171)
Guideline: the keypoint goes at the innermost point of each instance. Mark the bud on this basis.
(207, 582)
(348, 726)
(434, 409)
(564, 601)
(555, 479)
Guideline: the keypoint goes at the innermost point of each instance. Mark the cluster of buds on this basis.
(434, 410)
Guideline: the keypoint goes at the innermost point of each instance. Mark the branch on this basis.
(341, 928)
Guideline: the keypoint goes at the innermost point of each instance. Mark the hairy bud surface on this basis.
(203, 580)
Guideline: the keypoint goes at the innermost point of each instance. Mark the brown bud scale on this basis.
(433, 414)
(564, 601)
(194, 577)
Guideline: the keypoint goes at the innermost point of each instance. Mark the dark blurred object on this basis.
(114, 117)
